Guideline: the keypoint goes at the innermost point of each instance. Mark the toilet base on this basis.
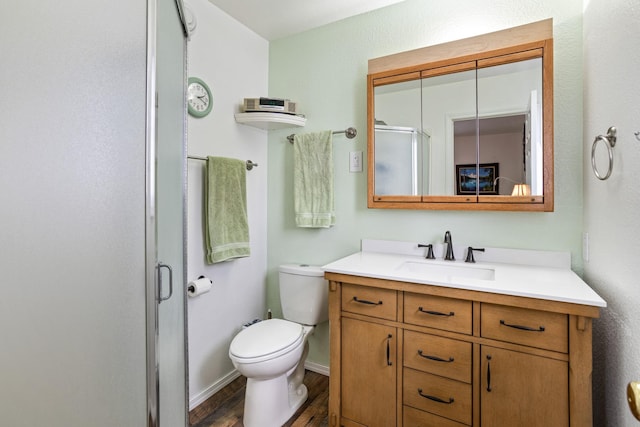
(297, 396)
(270, 403)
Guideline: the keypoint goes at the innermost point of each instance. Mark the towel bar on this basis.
(350, 132)
(250, 164)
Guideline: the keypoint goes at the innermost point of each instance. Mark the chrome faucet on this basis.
(448, 256)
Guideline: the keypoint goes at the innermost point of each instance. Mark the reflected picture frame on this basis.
(484, 177)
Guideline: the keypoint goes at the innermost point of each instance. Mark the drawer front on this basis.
(381, 303)
(440, 396)
(441, 356)
(412, 417)
(534, 328)
(438, 312)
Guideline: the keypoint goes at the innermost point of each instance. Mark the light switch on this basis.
(355, 161)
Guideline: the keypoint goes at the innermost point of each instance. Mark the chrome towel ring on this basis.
(609, 141)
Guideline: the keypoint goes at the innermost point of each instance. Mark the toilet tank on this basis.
(304, 294)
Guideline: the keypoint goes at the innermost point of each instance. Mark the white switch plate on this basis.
(585, 247)
(355, 161)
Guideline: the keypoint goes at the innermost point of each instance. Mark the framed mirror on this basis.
(469, 132)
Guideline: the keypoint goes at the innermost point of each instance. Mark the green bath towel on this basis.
(226, 225)
(313, 180)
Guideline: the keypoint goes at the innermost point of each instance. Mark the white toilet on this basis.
(271, 353)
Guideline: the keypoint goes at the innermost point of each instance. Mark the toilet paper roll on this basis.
(198, 287)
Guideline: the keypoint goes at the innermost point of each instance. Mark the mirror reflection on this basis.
(434, 136)
(502, 157)
(399, 147)
(446, 99)
(510, 125)
(399, 168)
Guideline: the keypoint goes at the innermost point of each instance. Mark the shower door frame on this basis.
(153, 273)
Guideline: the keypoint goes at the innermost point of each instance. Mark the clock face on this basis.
(198, 97)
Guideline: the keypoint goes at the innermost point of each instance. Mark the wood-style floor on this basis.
(224, 409)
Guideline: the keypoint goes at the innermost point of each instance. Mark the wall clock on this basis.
(199, 98)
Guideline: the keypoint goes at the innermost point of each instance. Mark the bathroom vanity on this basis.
(504, 341)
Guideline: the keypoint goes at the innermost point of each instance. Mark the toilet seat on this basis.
(266, 340)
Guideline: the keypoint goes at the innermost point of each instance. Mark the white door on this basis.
(533, 150)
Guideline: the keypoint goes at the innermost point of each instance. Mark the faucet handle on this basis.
(429, 247)
(470, 257)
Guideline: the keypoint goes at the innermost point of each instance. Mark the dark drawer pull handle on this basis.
(364, 301)
(488, 372)
(434, 358)
(435, 399)
(389, 350)
(523, 328)
(436, 313)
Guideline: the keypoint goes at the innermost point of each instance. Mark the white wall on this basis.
(612, 98)
(72, 215)
(233, 61)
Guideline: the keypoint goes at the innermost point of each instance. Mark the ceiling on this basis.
(274, 19)
(492, 125)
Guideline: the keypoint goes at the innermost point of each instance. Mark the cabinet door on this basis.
(369, 373)
(526, 390)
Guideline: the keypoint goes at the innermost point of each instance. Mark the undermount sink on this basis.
(441, 272)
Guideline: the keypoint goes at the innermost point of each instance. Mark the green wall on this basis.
(325, 69)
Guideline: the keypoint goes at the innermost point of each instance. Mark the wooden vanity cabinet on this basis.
(368, 373)
(405, 354)
(368, 356)
(530, 385)
(527, 389)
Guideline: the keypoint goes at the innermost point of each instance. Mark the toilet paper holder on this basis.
(191, 288)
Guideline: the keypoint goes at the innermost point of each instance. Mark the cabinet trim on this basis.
(479, 44)
(580, 371)
(335, 362)
(485, 297)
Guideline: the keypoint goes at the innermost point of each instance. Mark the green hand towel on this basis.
(313, 180)
(226, 225)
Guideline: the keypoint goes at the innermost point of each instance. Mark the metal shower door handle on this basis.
(168, 267)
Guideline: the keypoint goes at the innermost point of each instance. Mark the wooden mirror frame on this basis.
(529, 41)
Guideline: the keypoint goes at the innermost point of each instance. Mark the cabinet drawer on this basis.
(441, 356)
(381, 303)
(440, 396)
(438, 312)
(412, 417)
(533, 328)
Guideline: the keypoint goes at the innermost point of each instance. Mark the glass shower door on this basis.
(169, 398)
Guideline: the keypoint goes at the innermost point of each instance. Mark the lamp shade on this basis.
(521, 190)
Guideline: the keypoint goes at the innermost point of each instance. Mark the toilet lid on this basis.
(265, 338)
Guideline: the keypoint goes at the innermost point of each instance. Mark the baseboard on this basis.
(213, 389)
(227, 379)
(316, 367)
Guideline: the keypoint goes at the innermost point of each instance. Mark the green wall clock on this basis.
(199, 98)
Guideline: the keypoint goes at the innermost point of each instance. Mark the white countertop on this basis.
(534, 281)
